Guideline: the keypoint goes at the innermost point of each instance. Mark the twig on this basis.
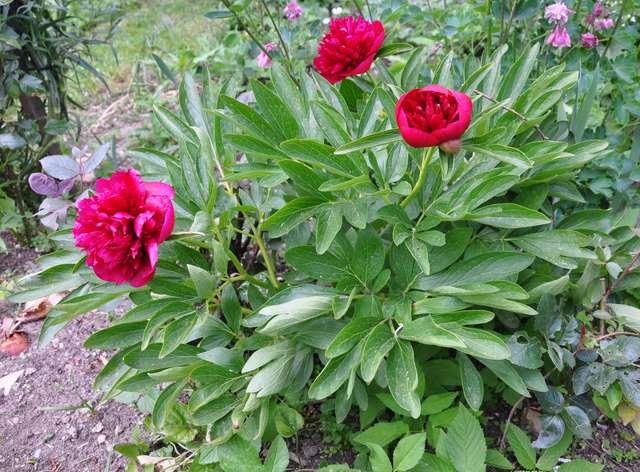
(627, 270)
(510, 110)
(512, 412)
(247, 30)
(617, 333)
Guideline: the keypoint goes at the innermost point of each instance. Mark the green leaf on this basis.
(368, 257)
(433, 463)
(420, 253)
(295, 305)
(378, 459)
(507, 215)
(521, 447)
(277, 457)
(275, 110)
(465, 443)
(250, 120)
(218, 14)
(288, 421)
(583, 111)
(291, 215)
(117, 336)
(328, 224)
(323, 267)
(481, 343)
(379, 138)
(289, 92)
(411, 71)
(335, 373)
(377, 344)
(402, 376)
(556, 246)
(497, 460)
(505, 372)
(149, 359)
(472, 383)
(394, 48)
(350, 335)
(177, 332)
(580, 465)
(382, 433)
(231, 307)
(502, 153)
(319, 155)
(578, 421)
(425, 330)
(408, 452)
(479, 269)
(238, 454)
(438, 402)
(204, 281)
(166, 400)
(515, 80)
(177, 128)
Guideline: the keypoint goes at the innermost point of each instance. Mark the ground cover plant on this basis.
(405, 241)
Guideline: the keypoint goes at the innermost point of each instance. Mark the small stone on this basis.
(101, 438)
(309, 450)
(97, 428)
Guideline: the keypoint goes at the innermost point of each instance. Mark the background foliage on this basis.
(318, 258)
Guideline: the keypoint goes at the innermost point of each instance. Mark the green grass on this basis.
(176, 30)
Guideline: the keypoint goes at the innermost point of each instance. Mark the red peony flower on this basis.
(433, 115)
(348, 48)
(121, 227)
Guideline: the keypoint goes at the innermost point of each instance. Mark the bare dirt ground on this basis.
(50, 420)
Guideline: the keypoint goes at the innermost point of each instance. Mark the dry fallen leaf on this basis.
(8, 381)
(38, 309)
(15, 344)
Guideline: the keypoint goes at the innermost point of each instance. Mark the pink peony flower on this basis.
(603, 23)
(263, 60)
(293, 11)
(559, 37)
(121, 227)
(589, 40)
(557, 13)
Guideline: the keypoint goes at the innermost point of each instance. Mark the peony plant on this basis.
(400, 236)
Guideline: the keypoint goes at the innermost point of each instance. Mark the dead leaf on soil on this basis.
(38, 309)
(8, 381)
(15, 344)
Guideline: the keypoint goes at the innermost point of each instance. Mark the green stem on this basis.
(422, 177)
(487, 47)
(275, 26)
(238, 265)
(257, 236)
(613, 32)
(246, 29)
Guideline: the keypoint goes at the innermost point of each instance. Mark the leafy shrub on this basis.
(315, 255)
(42, 45)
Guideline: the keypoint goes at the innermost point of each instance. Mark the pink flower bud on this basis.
(589, 40)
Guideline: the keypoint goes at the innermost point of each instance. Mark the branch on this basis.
(627, 270)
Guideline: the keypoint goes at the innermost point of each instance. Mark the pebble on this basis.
(101, 438)
(97, 428)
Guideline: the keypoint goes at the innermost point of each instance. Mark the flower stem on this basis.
(422, 177)
(257, 236)
(244, 27)
(275, 26)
